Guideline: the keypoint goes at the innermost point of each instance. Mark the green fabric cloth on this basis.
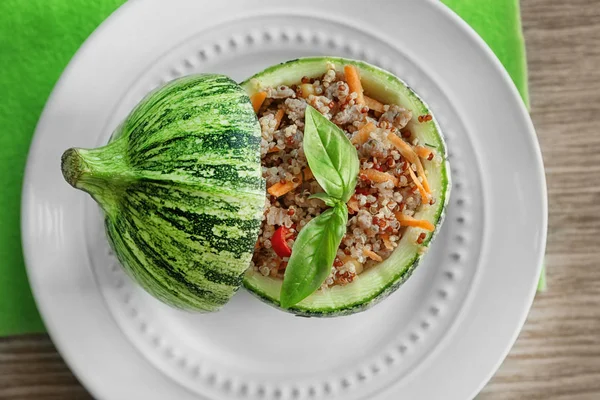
(37, 40)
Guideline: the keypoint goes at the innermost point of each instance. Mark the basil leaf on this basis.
(313, 255)
(342, 211)
(332, 158)
(328, 200)
(334, 163)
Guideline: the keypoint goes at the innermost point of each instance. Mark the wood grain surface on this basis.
(557, 355)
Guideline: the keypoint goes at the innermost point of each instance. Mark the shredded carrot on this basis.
(372, 255)
(374, 104)
(363, 133)
(279, 189)
(353, 79)
(278, 117)
(405, 149)
(424, 195)
(353, 204)
(408, 153)
(273, 150)
(386, 241)
(257, 100)
(423, 152)
(406, 220)
(378, 176)
(421, 173)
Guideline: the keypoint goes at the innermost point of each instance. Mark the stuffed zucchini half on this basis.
(401, 192)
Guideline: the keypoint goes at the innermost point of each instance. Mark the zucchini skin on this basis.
(181, 187)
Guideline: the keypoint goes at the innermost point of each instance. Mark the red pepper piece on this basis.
(279, 242)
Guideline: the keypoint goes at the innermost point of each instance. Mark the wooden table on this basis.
(557, 356)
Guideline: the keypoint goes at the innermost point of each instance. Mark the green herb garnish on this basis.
(334, 163)
(430, 145)
(313, 255)
(332, 158)
(328, 200)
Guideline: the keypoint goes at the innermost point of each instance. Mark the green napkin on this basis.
(37, 40)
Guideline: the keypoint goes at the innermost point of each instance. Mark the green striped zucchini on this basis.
(181, 188)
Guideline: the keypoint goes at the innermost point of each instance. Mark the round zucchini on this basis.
(376, 283)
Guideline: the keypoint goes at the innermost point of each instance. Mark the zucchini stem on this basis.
(73, 166)
(99, 172)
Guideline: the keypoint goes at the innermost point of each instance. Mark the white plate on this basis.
(442, 335)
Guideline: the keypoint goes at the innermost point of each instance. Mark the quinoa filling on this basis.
(391, 186)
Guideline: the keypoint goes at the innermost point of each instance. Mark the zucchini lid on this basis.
(181, 188)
